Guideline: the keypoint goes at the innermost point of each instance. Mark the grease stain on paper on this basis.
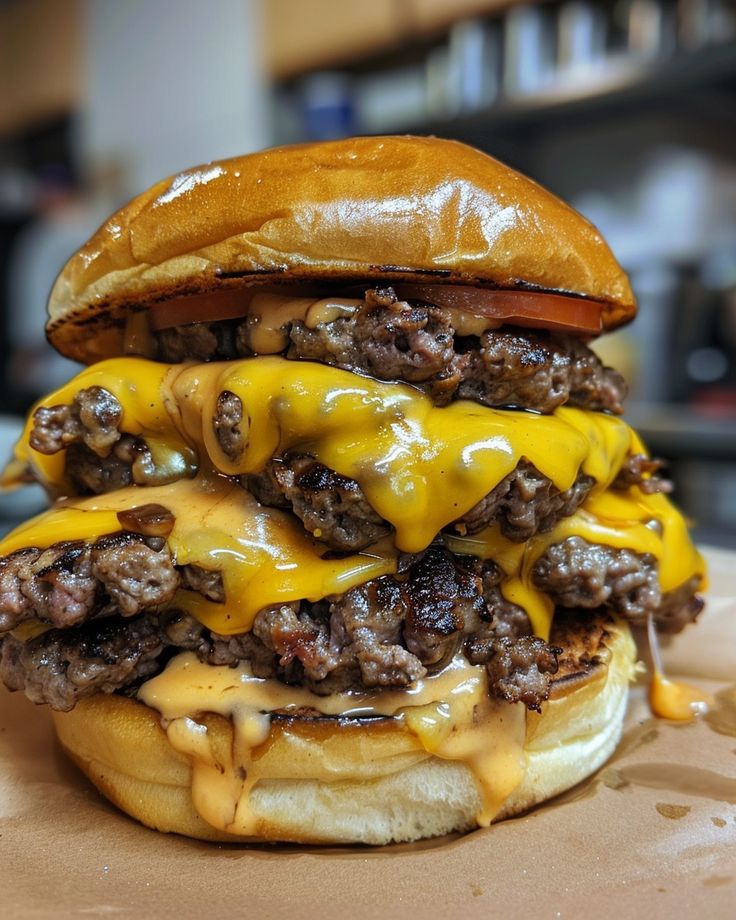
(721, 717)
(715, 881)
(674, 812)
(680, 778)
(613, 779)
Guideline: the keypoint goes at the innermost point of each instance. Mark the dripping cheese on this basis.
(420, 466)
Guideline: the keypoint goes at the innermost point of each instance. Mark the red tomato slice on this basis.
(557, 312)
(199, 308)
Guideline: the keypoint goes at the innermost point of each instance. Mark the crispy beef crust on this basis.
(386, 633)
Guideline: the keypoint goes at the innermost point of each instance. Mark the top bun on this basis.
(373, 209)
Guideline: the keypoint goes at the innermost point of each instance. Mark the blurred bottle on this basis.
(649, 26)
(390, 100)
(706, 334)
(473, 64)
(655, 286)
(327, 106)
(705, 22)
(581, 37)
(528, 50)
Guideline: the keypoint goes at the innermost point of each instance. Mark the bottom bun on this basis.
(376, 784)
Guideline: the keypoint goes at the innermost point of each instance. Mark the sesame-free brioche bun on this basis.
(360, 781)
(370, 209)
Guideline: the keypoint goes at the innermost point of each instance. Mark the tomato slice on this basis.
(199, 308)
(538, 310)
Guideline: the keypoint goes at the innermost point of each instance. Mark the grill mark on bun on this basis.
(403, 270)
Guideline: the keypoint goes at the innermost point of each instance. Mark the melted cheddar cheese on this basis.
(626, 519)
(264, 554)
(420, 467)
(676, 700)
(266, 557)
(142, 388)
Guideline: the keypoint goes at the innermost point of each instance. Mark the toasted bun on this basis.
(362, 209)
(382, 785)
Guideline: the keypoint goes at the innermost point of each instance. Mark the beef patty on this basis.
(413, 341)
(120, 625)
(101, 458)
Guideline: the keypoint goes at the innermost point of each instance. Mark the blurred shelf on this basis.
(679, 432)
(697, 85)
(714, 536)
(618, 85)
(318, 35)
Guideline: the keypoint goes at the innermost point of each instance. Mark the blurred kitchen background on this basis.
(626, 109)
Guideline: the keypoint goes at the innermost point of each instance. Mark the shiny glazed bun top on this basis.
(371, 209)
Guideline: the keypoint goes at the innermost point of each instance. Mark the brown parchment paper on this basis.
(652, 835)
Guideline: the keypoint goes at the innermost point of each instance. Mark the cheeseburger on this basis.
(347, 533)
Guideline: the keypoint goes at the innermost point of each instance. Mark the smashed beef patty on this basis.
(388, 632)
(413, 341)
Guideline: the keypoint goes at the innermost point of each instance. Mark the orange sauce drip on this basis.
(673, 699)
